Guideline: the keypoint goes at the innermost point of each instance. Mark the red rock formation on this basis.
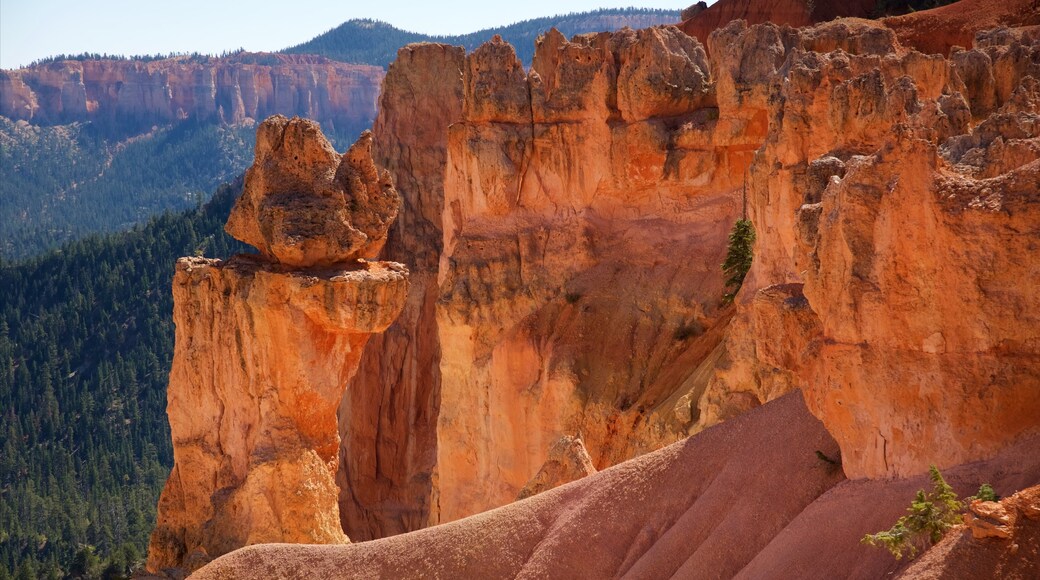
(302, 205)
(140, 94)
(263, 352)
(389, 414)
(873, 190)
(940, 29)
(568, 461)
(747, 498)
(587, 205)
(789, 12)
(644, 518)
(1001, 540)
(560, 180)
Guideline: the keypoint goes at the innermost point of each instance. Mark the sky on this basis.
(34, 29)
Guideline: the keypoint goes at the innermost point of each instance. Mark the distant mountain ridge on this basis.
(374, 42)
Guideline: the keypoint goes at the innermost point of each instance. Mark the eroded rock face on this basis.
(567, 461)
(136, 95)
(586, 212)
(305, 205)
(388, 417)
(900, 190)
(264, 350)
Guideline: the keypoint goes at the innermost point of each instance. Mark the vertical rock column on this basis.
(388, 417)
(265, 346)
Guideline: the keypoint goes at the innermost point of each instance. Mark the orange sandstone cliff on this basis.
(533, 314)
(889, 321)
(388, 418)
(139, 94)
(585, 210)
(265, 346)
(895, 226)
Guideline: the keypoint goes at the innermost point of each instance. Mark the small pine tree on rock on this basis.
(738, 257)
(928, 518)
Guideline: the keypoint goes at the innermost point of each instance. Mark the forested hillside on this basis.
(374, 42)
(86, 339)
(62, 183)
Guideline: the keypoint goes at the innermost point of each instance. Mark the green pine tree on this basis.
(928, 518)
(738, 257)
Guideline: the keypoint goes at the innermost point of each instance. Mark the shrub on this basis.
(928, 518)
(985, 493)
(738, 257)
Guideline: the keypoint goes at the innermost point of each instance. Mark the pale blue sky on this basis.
(33, 29)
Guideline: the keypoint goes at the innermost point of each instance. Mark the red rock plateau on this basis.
(265, 346)
(229, 90)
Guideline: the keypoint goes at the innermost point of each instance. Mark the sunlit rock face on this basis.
(265, 347)
(134, 95)
(568, 222)
(896, 202)
(388, 417)
(587, 205)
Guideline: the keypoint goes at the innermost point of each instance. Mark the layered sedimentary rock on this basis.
(896, 201)
(388, 417)
(586, 210)
(586, 206)
(265, 347)
(135, 94)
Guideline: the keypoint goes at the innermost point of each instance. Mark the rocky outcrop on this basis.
(561, 181)
(888, 213)
(388, 418)
(305, 205)
(586, 210)
(701, 23)
(1000, 540)
(263, 352)
(134, 95)
(568, 461)
(940, 29)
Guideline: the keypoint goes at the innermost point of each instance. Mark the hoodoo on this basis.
(265, 346)
(585, 209)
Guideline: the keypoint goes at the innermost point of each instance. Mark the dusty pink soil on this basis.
(746, 499)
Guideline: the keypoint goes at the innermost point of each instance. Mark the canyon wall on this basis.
(587, 205)
(896, 205)
(531, 204)
(137, 94)
(586, 202)
(266, 344)
(388, 418)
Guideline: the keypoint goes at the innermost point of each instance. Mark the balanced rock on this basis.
(265, 347)
(306, 205)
